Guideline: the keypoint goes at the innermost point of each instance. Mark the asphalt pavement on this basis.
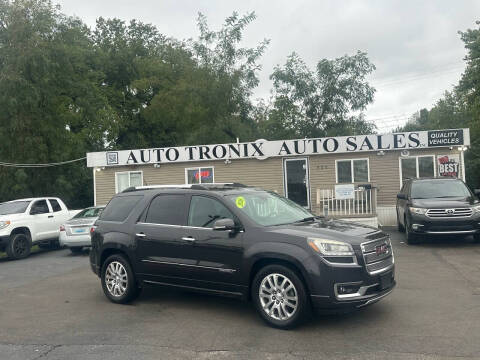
(52, 307)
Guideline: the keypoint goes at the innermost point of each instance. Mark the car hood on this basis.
(346, 231)
(442, 203)
(12, 217)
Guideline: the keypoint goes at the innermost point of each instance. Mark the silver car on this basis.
(75, 233)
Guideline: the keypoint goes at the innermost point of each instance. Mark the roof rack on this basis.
(187, 186)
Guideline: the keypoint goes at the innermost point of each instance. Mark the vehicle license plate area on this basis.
(79, 231)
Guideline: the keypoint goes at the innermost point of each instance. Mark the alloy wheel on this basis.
(116, 279)
(278, 296)
(20, 246)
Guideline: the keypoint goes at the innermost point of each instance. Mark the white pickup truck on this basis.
(28, 222)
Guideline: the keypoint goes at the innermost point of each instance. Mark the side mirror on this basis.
(224, 224)
(401, 196)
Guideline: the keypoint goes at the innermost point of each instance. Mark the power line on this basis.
(6, 164)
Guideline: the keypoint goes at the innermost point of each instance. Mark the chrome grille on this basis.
(452, 212)
(377, 255)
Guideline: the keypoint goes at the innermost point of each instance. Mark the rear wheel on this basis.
(280, 296)
(76, 250)
(19, 246)
(118, 280)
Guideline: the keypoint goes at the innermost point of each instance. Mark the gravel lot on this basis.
(52, 307)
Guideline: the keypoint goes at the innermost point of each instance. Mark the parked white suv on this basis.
(30, 221)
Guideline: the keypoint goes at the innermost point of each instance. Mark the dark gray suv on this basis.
(238, 241)
(437, 206)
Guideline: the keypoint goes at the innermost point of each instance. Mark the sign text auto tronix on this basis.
(262, 149)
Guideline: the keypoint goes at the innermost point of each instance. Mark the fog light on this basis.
(416, 226)
(347, 289)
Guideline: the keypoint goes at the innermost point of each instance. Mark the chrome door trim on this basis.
(190, 265)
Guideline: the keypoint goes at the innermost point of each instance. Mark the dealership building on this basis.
(351, 177)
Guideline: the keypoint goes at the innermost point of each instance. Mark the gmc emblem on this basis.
(381, 249)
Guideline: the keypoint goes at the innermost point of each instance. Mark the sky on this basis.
(414, 45)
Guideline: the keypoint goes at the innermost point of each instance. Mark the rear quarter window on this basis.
(120, 207)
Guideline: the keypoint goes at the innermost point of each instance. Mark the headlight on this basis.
(420, 211)
(330, 247)
(4, 224)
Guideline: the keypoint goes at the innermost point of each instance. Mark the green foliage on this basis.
(312, 103)
(459, 108)
(66, 90)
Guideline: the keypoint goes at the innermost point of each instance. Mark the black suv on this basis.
(437, 206)
(238, 241)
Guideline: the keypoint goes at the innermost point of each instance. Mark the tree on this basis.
(460, 107)
(52, 106)
(316, 103)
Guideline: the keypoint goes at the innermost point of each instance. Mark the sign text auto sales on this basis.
(262, 149)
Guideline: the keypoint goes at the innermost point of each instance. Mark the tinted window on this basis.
(55, 205)
(39, 207)
(120, 207)
(88, 213)
(14, 207)
(427, 189)
(205, 211)
(167, 209)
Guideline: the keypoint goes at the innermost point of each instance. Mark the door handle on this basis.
(140, 235)
(188, 238)
(50, 216)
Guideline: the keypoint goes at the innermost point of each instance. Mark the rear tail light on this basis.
(62, 228)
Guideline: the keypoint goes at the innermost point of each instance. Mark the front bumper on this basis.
(371, 291)
(4, 240)
(422, 224)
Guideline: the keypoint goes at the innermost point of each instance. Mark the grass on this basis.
(35, 248)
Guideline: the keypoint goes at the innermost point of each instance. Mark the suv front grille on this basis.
(377, 255)
(442, 213)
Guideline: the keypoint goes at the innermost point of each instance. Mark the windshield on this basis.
(428, 189)
(88, 213)
(14, 207)
(267, 209)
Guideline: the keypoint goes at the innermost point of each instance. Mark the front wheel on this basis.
(19, 246)
(280, 296)
(412, 238)
(118, 280)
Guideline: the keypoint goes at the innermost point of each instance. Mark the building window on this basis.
(124, 180)
(204, 175)
(416, 167)
(352, 171)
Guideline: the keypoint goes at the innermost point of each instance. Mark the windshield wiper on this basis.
(310, 218)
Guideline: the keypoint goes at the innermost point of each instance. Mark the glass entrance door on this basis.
(296, 181)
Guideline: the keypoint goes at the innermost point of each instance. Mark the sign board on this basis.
(262, 149)
(448, 165)
(344, 191)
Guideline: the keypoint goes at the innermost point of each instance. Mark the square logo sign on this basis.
(112, 158)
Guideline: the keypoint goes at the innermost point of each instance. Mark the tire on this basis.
(118, 264)
(400, 227)
(412, 238)
(76, 250)
(278, 315)
(19, 246)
